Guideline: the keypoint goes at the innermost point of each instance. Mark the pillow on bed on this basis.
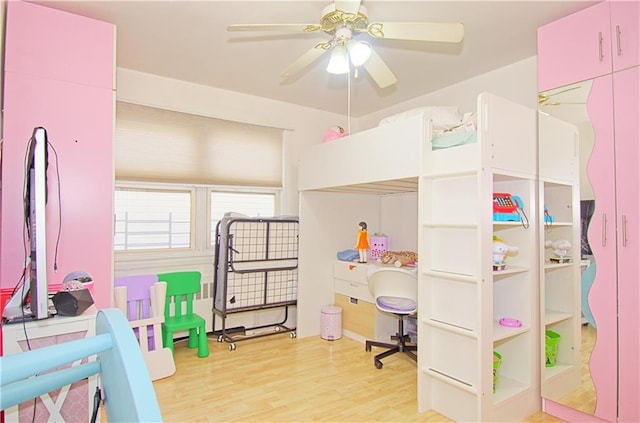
(441, 116)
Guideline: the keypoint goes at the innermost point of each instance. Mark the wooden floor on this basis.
(282, 379)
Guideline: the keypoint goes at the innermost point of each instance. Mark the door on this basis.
(626, 86)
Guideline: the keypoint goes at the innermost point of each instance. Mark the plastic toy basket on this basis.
(551, 347)
(497, 360)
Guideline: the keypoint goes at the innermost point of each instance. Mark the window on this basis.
(177, 174)
(152, 219)
(251, 204)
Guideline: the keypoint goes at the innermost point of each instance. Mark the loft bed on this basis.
(388, 158)
(385, 159)
(360, 176)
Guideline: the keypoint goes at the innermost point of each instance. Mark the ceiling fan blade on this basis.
(349, 6)
(445, 32)
(275, 27)
(305, 60)
(379, 71)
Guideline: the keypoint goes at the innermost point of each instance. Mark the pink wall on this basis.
(59, 73)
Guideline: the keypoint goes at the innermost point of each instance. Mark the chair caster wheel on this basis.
(232, 347)
(220, 338)
(378, 364)
(292, 334)
(367, 348)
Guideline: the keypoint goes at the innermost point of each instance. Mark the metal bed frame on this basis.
(256, 268)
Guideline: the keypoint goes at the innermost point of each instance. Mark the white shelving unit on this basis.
(560, 296)
(461, 297)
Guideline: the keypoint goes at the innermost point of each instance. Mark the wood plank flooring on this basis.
(280, 379)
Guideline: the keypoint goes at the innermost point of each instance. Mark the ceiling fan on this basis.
(347, 23)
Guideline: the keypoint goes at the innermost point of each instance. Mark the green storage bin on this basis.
(551, 347)
(497, 360)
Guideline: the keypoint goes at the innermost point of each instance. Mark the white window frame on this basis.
(276, 192)
(200, 244)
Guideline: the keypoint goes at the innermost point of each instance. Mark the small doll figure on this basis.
(363, 242)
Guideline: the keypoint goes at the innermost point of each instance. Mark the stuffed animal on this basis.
(500, 252)
(399, 258)
(561, 248)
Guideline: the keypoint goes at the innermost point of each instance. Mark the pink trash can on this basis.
(331, 322)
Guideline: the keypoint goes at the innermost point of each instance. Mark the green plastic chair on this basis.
(181, 289)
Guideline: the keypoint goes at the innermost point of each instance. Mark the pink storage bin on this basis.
(331, 323)
(377, 246)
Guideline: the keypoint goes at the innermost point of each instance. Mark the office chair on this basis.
(395, 291)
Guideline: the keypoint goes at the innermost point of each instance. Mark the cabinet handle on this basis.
(618, 40)
(600, 39)
(624, 230)
(604, 229)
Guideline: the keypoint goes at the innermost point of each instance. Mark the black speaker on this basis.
(72, 303)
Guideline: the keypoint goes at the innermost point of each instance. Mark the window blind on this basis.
(160, 145)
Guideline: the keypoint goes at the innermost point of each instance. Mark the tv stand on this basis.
(73, 402)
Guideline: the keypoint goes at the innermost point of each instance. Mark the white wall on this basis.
(517, 82)
(303, 128)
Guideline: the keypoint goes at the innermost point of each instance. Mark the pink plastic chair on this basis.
(142, 299)
(138, 300)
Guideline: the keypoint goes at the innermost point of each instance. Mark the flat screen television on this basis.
(35, 287)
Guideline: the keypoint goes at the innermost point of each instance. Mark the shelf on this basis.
(552, 317)
(559, 368)
(506, 223)
(504, 332)
(507, 388)
(510, 270)
(557, 224)
(554, 266)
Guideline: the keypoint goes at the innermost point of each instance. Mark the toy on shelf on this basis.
(378, 245)
(560, 249)
(362, 245)
(399, 258)
(500, 252)
(333, 133)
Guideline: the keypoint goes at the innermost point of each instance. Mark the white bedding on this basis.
(450, 127)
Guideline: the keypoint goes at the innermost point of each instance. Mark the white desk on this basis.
(361, 320)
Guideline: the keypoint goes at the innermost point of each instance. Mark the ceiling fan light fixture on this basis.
(359, 52)
(339, 61)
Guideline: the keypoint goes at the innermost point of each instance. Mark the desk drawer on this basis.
(353, 289)
(349, 271)
(357, 317)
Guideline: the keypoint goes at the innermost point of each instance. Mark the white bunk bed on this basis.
(347, 180)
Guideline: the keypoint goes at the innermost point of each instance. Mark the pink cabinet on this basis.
(601, 44)
(574, 48)
(614, 235)
(59, 74)
(625, 35)
(588, 44)
(602, 238)
(626, 86)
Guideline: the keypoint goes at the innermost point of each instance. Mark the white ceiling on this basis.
(188, 40)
